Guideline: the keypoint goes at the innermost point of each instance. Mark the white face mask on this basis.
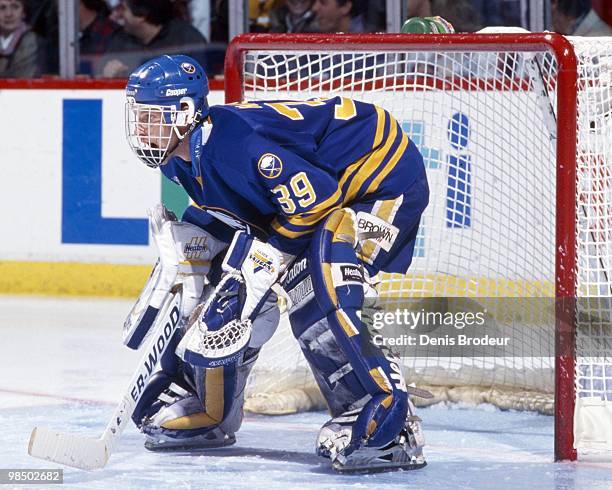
(149, 129)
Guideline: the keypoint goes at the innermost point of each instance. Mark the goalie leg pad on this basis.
(185, 255)
(201, 408)
(361, 385)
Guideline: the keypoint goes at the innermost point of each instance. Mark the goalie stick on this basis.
(88, 453)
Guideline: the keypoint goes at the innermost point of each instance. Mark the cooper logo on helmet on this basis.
(175, 91)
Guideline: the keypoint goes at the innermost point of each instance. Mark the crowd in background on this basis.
(115, 36)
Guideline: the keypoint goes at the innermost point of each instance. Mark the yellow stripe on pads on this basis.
(213, 401)
(73, 279)
(195, 421)
(329, 283)
(387, 401)
(333, 222)
(386, 211)
(381, 380)
(213, 389)
(342, 226)
(347, 325)
(205, 263)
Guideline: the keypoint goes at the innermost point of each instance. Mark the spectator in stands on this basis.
(259, 14)
(43, 17)
(21, 50)
(499, 12)
(116, 11)
(577, 18)
(418, 8)
(219, 21)
(339, 15)
(376, 16)
(152, 28)
(96, 32)
(460, 13)
(293, 16)
(200, 16)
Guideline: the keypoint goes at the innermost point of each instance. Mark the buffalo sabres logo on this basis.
(270, 166)
(188, 68)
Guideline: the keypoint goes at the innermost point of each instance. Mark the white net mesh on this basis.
(485, 123)
(593, 376)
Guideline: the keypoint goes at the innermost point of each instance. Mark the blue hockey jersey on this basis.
(283, 166)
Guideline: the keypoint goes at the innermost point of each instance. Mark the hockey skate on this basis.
(404, 452)
(211, 439)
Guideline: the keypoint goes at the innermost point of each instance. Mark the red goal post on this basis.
(566, 83)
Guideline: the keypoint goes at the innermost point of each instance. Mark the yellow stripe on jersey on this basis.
(346, 175)
(311, 216)
(355, 175)
(372, 164)
(277, 227)
(380, 127)
(390, 165)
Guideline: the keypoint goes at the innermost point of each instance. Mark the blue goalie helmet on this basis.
(166, 101)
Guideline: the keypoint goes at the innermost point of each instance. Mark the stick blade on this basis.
(69, 449)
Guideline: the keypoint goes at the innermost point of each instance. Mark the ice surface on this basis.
(64, 367)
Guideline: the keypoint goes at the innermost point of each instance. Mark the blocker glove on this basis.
(258, 266)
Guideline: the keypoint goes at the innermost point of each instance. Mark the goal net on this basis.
(516, 135)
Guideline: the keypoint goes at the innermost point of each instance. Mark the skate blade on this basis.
(187, 446)
(373, 467)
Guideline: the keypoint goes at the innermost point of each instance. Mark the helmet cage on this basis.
(149, 128)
